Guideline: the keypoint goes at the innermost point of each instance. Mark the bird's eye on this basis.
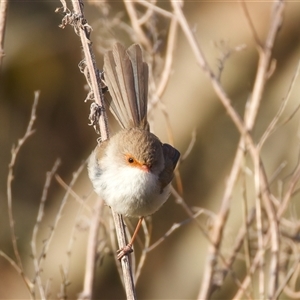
(130, 160)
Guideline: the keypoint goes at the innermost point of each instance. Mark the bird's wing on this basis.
(171, 156)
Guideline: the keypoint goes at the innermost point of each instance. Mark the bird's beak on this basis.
(145, 168)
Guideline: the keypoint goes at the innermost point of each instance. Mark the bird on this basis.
(132, 171)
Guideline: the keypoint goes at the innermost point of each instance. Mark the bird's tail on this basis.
(126, 76)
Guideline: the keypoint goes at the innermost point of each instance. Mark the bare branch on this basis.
(83, 30)
(250, 116)
(165, 75)
(155, 8)
(136, 25)
(250, 23)
(14, 153)
(3, 12)
(272, 126)
(92, 251)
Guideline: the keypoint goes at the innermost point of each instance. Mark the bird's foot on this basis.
(124, 251)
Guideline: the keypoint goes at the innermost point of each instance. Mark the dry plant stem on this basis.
(58, 217)
(250, 23)
(92, 67)
(246, 236)
(155, 8)
(36, 258)
(265, 54)
(146, 16)
(288, 195)
(173, 228)
(92, 251)
(95, 81)
(28, 283)
(203, 64)
(241, 236)
(3, 13)
(69, 191)
(261, 77)
(284, 283)
(164, 78)
(127, 276)
(72, 193)
(136, 25)
(260, 235)
(274, 122)
(257, 258)
(261, 185)
(144, 253)
(14, 153)
(247, 279)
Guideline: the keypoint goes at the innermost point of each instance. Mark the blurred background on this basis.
(41, 56)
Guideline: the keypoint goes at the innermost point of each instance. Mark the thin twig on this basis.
(205, 67)
(250, 117)
(290, 273)
(3, 14)
(245, 220)
(136, 25)
(173, 228)
(143, 256)
(14, 153)
(155, 8)
(36, 258)
(20, 271)
(250, 23)
(271, 128)
(165, 75)
(92, 251)
(190, 147)
(259, 230)
(127, 276)
(83, 205)
(287, 197)
(73, 193)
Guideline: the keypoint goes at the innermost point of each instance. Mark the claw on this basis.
(124, 251)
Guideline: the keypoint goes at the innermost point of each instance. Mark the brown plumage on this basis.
(132, 171)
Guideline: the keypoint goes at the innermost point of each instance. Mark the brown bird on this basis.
(133, 170)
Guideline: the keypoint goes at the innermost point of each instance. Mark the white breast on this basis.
(128, 190)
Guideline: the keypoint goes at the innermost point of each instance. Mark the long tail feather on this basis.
(126, 75)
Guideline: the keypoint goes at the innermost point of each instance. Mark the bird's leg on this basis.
(128, 248)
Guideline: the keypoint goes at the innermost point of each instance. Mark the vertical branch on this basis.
(10, 177)
(40, 215)
(260, 234)
(136, 24)
(169, 57)
(3, 13)
(82, 28)
(127, 276)
(92, 250)
(265, 54)
(84, 32)
(250, 117)
(225, 100)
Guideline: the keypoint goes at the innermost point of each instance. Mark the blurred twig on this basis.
(250, 23)
(37, 259)
(137, 25)
(14, 153)
(261, 184)
(272, 126)
(3, 14)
